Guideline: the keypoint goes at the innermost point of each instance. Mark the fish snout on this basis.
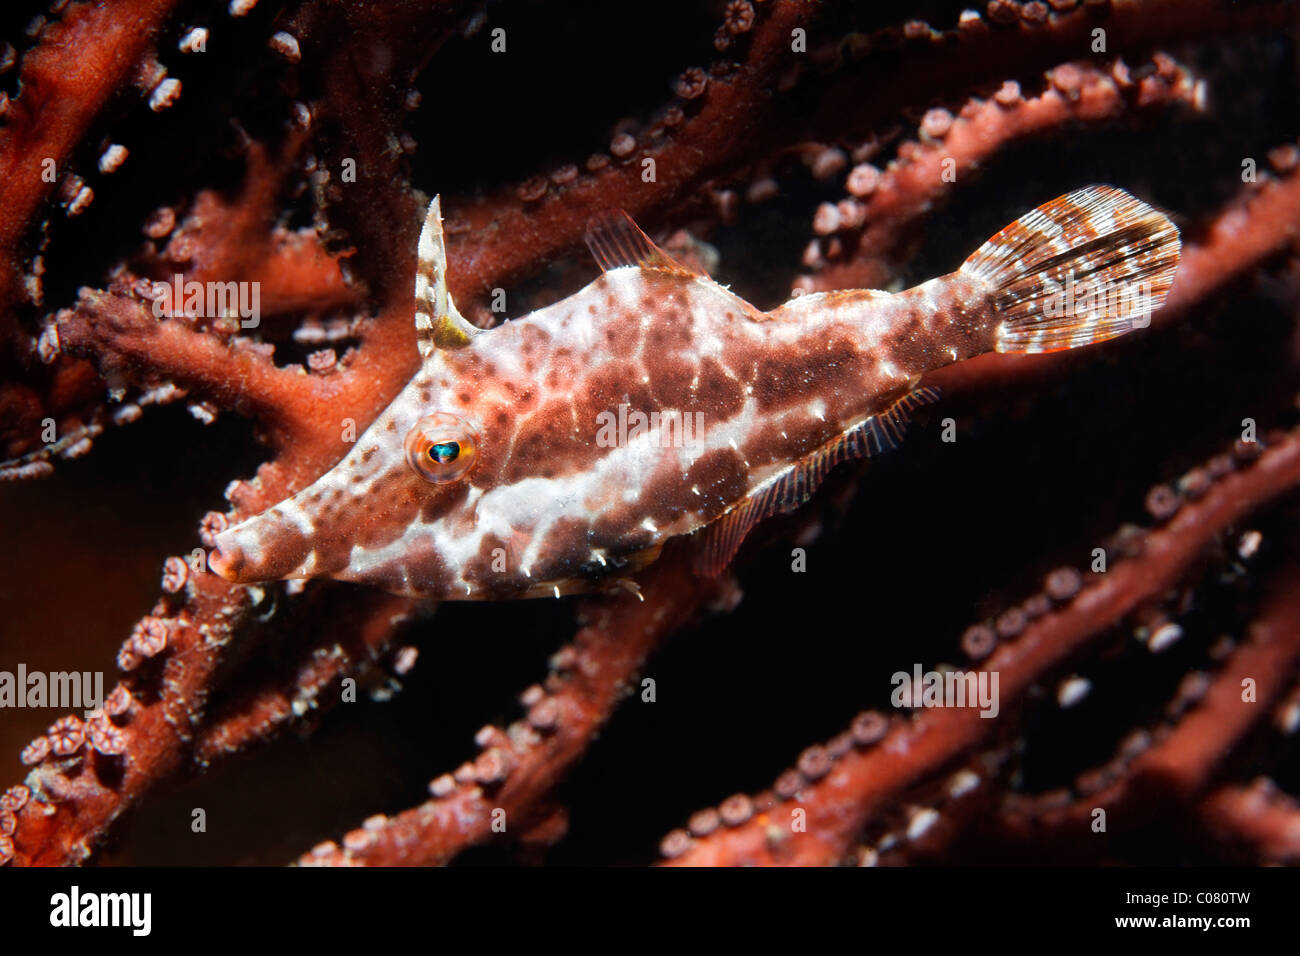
(228, 560)
(263, 548)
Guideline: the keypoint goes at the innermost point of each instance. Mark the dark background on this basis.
(932, 539)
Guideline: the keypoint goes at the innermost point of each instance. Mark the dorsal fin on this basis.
(616, 241)
(438, 324)
(790, 488)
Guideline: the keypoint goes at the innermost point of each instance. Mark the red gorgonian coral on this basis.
(1110, 532)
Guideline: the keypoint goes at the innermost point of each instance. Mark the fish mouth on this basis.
(228, 560)
(264, 548)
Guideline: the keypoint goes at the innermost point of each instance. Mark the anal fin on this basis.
(790, 488)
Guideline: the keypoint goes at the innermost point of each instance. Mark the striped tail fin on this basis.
(1083, 268)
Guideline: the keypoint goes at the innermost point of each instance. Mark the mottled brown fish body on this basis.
(570, 444)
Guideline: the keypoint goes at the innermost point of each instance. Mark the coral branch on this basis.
(840, 801)
(83, 60)
(897, 200)
(321, 124)
(1257, 819)
(503, 790)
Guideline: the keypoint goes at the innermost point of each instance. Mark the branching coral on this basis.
(813, 145)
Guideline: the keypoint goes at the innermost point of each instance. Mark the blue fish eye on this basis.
(444, 451)
(441, 447)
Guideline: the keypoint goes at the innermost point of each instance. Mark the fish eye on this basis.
(441, 447)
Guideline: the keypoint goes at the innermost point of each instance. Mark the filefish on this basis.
(558, 452)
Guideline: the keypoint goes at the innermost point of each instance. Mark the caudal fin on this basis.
(1083, 268)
